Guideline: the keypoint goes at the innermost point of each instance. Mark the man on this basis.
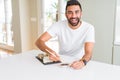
(76, 37)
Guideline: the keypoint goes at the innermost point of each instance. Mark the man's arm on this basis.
(40, 43)
(87, 56)
(88, 51)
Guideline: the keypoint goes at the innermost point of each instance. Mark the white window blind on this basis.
(6, 33)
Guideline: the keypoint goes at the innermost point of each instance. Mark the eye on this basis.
(69, 12)
(77, 11)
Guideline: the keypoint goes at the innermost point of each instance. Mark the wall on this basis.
(101, 13)
(34, 19)
(16, 26)
(21, 26)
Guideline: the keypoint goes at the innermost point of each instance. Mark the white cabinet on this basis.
(116, 56)
(116, 51)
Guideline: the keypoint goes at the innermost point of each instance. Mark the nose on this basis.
(73, 14)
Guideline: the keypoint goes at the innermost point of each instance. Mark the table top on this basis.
(25, 66)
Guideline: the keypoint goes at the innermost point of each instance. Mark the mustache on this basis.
(74, 18)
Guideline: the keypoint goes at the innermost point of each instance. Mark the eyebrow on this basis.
(75, 11)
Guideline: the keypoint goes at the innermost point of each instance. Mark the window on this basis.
(52, 11)
(6, 33)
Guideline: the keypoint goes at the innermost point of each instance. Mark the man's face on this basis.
(73, 15)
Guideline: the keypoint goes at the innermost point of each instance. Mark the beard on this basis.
(74, 21)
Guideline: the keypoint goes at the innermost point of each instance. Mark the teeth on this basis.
(74, 20)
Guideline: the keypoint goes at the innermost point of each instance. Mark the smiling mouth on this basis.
(74, 19)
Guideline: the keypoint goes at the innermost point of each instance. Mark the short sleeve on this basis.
(90, 37)
(53, 30)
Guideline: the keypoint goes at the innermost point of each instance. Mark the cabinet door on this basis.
(116, 56)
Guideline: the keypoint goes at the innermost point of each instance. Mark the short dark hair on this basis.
(73, 2)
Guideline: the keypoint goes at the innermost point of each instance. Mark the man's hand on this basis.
(54, 57)
(77, 64)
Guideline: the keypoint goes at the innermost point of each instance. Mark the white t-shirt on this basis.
(71, 42)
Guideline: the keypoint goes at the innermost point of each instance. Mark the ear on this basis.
(81, 13)
(65, 14)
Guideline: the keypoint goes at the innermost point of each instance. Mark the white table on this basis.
(26, 67)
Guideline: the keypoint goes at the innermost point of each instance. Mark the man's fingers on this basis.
(53, 58)
(76, 65)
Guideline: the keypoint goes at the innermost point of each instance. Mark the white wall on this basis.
(21, 26)
(16, 26)
(34, 19)
(101, 13)
(25, 25)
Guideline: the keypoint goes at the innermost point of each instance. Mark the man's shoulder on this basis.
(87, 24)
(59, 24)
(62, 22)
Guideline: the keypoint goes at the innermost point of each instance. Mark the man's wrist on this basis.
(84, 61)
